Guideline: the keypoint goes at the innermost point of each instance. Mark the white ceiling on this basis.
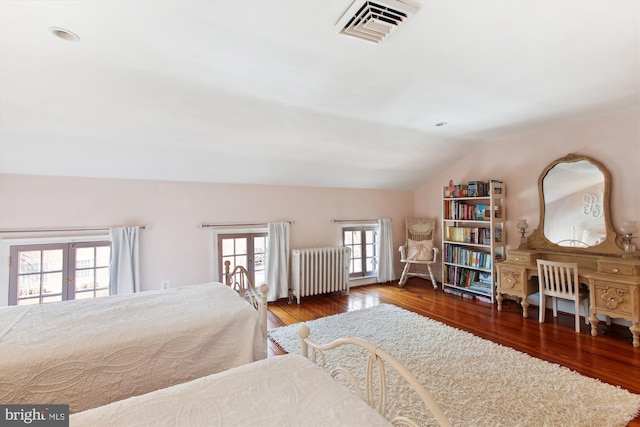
(267, 91)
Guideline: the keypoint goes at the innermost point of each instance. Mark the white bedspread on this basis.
(88, 353)
(280, 391)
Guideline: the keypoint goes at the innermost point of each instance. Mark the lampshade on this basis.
(522, 223)
(629, 227)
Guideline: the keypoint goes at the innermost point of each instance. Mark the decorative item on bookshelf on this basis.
(522, 226)
(627, 229)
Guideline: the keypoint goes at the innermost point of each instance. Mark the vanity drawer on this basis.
(521, 257)
(511, 281)
(612, 297)
(616, 268)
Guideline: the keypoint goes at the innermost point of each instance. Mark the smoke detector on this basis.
(374, 20)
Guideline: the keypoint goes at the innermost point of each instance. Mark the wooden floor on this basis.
(609, 357)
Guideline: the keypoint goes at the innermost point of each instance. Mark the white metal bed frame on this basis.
(377, 358)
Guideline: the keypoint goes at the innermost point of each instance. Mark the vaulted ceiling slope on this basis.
(251, 91)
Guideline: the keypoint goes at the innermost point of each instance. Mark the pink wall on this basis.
(613, 139)
(175, 248)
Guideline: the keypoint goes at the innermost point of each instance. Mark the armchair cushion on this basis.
(420, 250)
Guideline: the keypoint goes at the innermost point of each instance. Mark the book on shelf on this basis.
(497, 211)
(480, 212)
(498, 233)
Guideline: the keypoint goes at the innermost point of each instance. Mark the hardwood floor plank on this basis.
(609, 357)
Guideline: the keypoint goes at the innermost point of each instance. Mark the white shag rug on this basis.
(475, 381)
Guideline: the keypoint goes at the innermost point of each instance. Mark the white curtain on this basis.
(385, 251)
(278, 260)
(124, 269)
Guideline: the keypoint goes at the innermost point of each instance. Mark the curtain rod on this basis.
(239, 224)
(354, 220)
(52, 230)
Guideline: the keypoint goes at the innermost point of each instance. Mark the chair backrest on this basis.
(419, 229)
(558, 279)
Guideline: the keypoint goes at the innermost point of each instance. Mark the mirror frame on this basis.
(609, 246)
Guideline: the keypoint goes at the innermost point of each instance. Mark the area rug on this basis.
(475, 381)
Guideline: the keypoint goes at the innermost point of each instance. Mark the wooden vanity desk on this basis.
(614, 283)
(575, 226)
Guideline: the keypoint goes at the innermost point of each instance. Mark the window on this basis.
(42, 273)
(246, 249)
(363, 243)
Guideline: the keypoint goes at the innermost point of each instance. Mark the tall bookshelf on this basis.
(473, 238)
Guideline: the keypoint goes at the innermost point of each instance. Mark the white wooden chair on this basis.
(560, 280)
(418, 249)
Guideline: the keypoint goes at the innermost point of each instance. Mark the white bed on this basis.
(88, 353)
(289, 390)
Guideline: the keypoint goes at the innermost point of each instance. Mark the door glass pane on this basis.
(29, 262)
(228, 247)
(28, 285)
(84, 279)
(102, 293)
(102, 278)
(84, 257)
(103, 256)
(240, 260)
(52, 298)
(52, 283)
(52, 260)
(241, 246)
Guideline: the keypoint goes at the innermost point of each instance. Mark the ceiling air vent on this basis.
(374, 20)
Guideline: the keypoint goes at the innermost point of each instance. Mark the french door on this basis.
(246, 249)
(42, 273)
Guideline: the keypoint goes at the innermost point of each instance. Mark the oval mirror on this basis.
(574, 207)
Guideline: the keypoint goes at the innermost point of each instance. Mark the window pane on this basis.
(29, 262)
(357, 237)
(356, 252)
(370, 250)
(84, 257)
(52, 260)
(356, 266)
(370, 234)
(371, 265)
(348, 238)
(103, 256)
